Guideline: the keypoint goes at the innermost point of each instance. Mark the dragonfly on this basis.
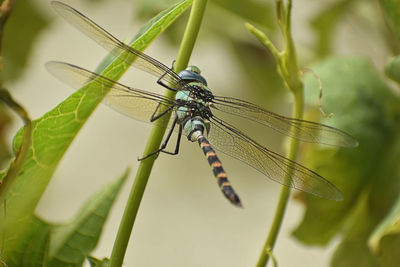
(193, 114)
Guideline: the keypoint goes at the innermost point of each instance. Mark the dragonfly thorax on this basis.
(190, 105)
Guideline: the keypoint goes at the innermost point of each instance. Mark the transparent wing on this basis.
(135, 103)
(231, 141)
(119, 49)
(306, 131)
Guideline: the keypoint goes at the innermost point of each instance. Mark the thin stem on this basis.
(5, 11)
(285, 191)
(264, 40)
(289, 70)
(24, 148)
(154, 142)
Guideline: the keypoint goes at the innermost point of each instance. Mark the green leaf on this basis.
(391, 13)
(353, 249)
(54, 132)
(367, 109)
(71, 243)
(21, 31)
(392, 68)
(385, 240)
(94, 262)
(33, 246)
(259, 65)
(257, 12)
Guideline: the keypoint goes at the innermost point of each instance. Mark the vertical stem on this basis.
(288, 67)
(285, 191)
(155, 139)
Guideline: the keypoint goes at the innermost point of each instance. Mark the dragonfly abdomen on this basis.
(218, 171)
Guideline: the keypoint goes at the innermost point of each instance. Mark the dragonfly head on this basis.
(191, 74)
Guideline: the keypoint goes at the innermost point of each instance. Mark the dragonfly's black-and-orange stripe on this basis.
(218, 171)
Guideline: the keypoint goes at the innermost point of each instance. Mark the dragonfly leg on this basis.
(219, 172)
(160, 82)
(164, 144)
(178, 143)
(156, 117)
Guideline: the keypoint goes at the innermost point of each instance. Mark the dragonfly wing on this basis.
(306, 131)
(135, 103)
(231, 141)
(119, 49)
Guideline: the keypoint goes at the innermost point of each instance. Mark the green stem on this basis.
(154, 142)
(285, 191)
(289, 70)
(18, 163)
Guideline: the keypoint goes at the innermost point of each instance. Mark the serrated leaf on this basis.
(71, 243)
(366, 108)
(54, 132)
(21, 31)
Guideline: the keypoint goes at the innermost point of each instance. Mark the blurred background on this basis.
(184, 220)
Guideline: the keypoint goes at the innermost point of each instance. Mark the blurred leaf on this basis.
(54, 132)
(389, 251)
(148, 8)
(260, 67)
(366, 108)
(259, 12)
(392, 69)
(5, 120)
(391, 13)
(94, 262)
(33, 245)
(353, 250)
(324, 25)
(21, 32)
(70, 243)
(385, 239)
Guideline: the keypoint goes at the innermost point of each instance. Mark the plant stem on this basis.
(289, 70)
(155, 139)
(23, 150)
(285, 190)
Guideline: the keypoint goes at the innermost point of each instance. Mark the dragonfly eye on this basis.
(190, 76)
(193, 69)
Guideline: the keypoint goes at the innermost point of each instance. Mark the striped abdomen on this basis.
(218, 171)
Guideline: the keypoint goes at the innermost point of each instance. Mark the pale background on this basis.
(184, 219)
